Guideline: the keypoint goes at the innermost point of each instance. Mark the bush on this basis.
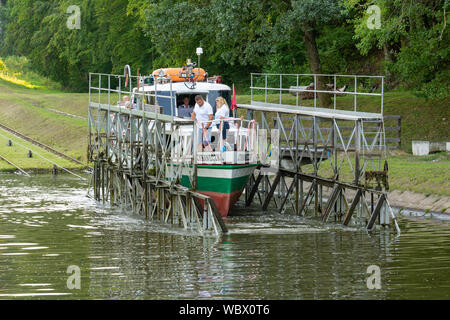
(3, 66)
(19, 70)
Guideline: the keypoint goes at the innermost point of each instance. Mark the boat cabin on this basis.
(169, 96)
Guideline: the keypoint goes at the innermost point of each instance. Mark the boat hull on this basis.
(223, 183)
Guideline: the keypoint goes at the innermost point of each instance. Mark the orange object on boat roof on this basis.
(180, 74)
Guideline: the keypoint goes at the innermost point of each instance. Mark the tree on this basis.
(3, 19)
(308, 17)
(414, 39)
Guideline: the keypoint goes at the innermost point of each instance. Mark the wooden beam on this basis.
(271, 192)
(331, 201)
(376, 212)
(255, 187)
(352, 208)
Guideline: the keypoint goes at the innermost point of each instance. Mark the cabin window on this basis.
(180, 99)
(226, 94)
(182, 111)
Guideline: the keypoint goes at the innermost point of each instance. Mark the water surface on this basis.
(48, 224)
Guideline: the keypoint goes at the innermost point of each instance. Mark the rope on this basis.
(205, 135)
(46, 159)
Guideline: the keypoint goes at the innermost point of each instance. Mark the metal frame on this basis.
(308, 148)
(302, 153)
(132, 153)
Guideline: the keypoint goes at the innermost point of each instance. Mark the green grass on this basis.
(18, 70)
(426, 174)
(17, 154)
(29, 112)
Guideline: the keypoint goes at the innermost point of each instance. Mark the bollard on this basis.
(30, 154)
(55, 170)
(9, 143)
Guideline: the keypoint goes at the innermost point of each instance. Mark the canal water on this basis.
(48, 225)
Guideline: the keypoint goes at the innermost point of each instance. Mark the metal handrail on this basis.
(278, 77)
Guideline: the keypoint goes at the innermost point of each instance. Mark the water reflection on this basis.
(47, 224)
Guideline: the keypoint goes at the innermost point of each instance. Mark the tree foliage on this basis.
(238, 37)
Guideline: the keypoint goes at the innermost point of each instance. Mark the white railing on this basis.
(270, 84)
(239, 146)
(111, 89)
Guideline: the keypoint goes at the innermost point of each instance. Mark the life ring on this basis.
(176, 74)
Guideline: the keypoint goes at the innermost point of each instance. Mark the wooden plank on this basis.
(309, 195)
(252, 193)
(331, 201)
(217, 215)
(352, 208)
(376, 212)
(291, 188)
(271, 192)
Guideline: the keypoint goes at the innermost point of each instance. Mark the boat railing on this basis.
(216, 142)
(127, 91)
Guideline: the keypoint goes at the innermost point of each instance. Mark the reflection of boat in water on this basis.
(224, 166)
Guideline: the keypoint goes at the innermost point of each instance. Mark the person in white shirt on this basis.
(185, 110)
(203, 113)
(222, 112)
(125, 102)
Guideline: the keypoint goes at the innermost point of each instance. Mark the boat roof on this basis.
(181, 88)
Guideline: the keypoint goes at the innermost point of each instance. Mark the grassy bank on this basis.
(33, 112)
(428, 174)
(17, 153)
(37, 113)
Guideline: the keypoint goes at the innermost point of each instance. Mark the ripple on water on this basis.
(35, 284)
(263, 257)
(31, 295)
(7, 236)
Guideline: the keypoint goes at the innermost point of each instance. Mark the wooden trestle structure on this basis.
(302, 171)
(303, 152)
(132, 152)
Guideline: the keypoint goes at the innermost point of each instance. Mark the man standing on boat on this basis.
(185, 110)
(203, 113)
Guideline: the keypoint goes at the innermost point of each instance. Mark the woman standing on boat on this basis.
(222, 112)
(203, 113)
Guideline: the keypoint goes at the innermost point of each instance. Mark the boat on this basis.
(225, 165)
